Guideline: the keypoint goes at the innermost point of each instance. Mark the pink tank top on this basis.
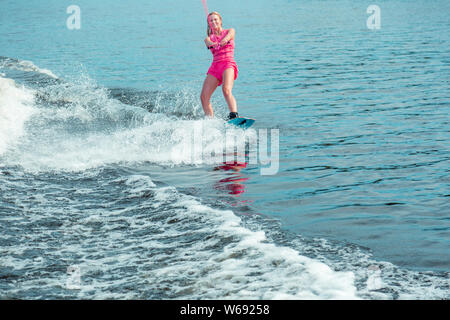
(225, 53)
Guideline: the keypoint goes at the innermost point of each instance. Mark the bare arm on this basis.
(228, 37)
(208, 42)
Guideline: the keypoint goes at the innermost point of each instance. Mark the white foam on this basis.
(26, 65)
(376, 279)
(197, 252)
(154, 142)
(55, 143)
(184, 103)
(16, 107)
(170, 245)
(249, 267)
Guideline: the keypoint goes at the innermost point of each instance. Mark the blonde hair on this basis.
(208, 27)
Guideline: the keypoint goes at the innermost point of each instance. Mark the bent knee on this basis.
(227, 91)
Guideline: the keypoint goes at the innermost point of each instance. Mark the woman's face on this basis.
(215, 22)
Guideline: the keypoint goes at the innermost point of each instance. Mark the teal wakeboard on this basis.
(243, 123)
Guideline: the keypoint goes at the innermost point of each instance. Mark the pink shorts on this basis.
(217, 69)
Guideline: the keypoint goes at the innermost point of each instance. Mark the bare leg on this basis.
(209, 86)
(227, 87)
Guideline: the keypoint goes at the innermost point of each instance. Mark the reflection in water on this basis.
(234, 183)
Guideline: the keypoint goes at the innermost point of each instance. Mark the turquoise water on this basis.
(363, 180)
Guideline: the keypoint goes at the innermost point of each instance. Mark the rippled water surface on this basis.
(98, 201)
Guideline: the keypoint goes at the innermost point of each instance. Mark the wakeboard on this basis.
(243, 123)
